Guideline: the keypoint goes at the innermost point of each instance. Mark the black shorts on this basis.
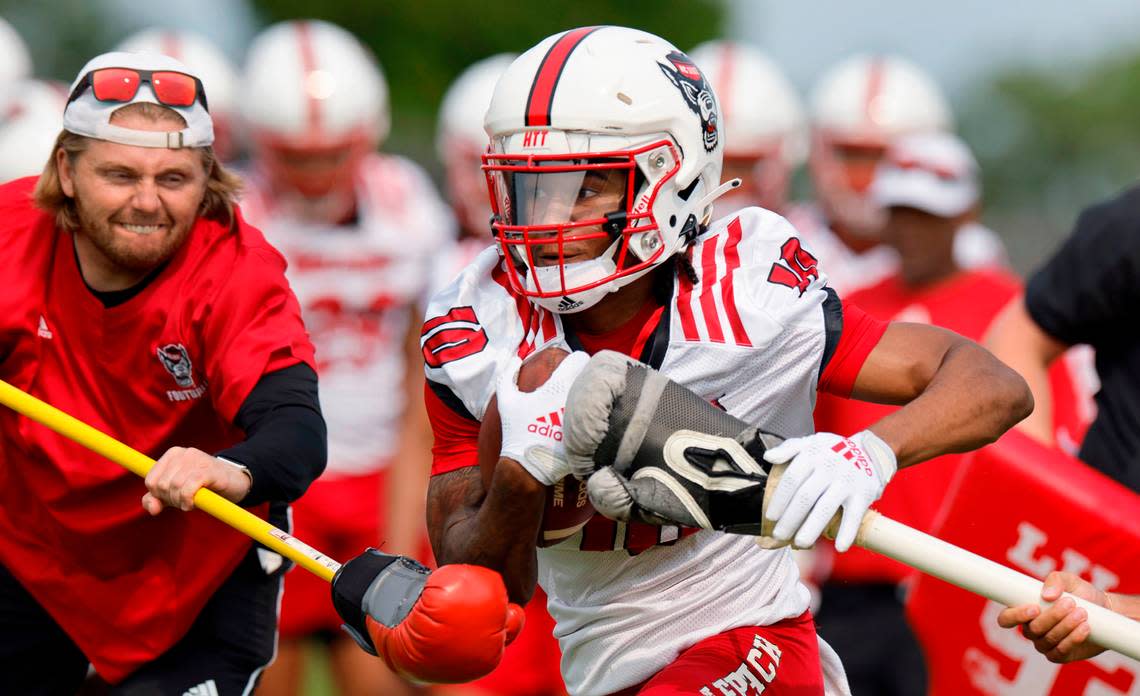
(228, 645)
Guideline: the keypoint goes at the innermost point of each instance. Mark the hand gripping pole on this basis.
(206, 500)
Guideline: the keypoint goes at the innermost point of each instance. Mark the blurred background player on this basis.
(858, 108)
(29, 124)
(359, 230)
(460, 142)
(15, 60)
(31, 111)
(927, 185)
(218, 75)
(530, 663)
(765, 132)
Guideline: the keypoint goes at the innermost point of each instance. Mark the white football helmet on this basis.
(32, 122)
(218, 75)
(590, 118)
(461, 141)
(857, 108)
(15, 63)
(765, 131)
(315, 102)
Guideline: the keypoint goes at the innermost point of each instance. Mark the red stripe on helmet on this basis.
(874, 87)
(308, 65)
(170, 44)
(541, 99)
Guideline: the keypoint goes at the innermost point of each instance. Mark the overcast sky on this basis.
(959, 41)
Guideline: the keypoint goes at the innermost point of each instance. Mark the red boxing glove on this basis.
(457, 630)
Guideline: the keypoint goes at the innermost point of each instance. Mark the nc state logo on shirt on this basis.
(177, 362)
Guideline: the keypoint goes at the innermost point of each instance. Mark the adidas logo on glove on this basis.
(549, 425)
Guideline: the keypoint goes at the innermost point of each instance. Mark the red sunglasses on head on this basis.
(121, 84)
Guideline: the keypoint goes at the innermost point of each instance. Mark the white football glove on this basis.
(827, 472)
(532, 421)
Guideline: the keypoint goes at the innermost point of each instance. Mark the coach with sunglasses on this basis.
(135, 298)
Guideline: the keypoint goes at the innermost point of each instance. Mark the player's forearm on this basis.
(498, 530)
(969, 401)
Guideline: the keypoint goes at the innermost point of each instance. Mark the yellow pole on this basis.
(206, 500)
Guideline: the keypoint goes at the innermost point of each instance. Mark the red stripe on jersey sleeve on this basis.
(732, 262)
(861, 333)
(684, 303)
(456, 438)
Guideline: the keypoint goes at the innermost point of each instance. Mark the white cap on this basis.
(932, 172)
(90, 117)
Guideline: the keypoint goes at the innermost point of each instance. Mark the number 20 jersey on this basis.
(750, 335)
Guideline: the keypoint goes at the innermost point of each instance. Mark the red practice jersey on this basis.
(170, 366)
(965, 303)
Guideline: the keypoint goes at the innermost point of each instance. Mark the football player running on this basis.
(358, 229)
(605, 159)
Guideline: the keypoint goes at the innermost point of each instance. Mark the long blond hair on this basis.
(222, 186)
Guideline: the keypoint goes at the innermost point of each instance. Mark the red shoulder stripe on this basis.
(685, 303)
(708, 278)
(732, 262)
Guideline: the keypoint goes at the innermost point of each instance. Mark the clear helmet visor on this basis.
(567, 222)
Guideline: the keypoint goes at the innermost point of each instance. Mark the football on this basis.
(567, 508)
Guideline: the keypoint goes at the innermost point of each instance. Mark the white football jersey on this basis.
(359, 286)
(749, 336)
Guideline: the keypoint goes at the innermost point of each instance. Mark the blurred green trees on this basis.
(1052, 141)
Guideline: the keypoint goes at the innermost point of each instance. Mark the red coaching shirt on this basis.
(170, 366)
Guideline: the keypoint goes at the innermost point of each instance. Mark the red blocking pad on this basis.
(1034, 509)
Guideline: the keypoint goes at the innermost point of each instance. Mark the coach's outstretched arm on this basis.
(957, 397)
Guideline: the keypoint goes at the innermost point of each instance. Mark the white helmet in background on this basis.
(460, 140)
(32, 121)
(599, 109)
(765, 130)
(218, 75)
(315, 102)
(857, 108)
(15, 63)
